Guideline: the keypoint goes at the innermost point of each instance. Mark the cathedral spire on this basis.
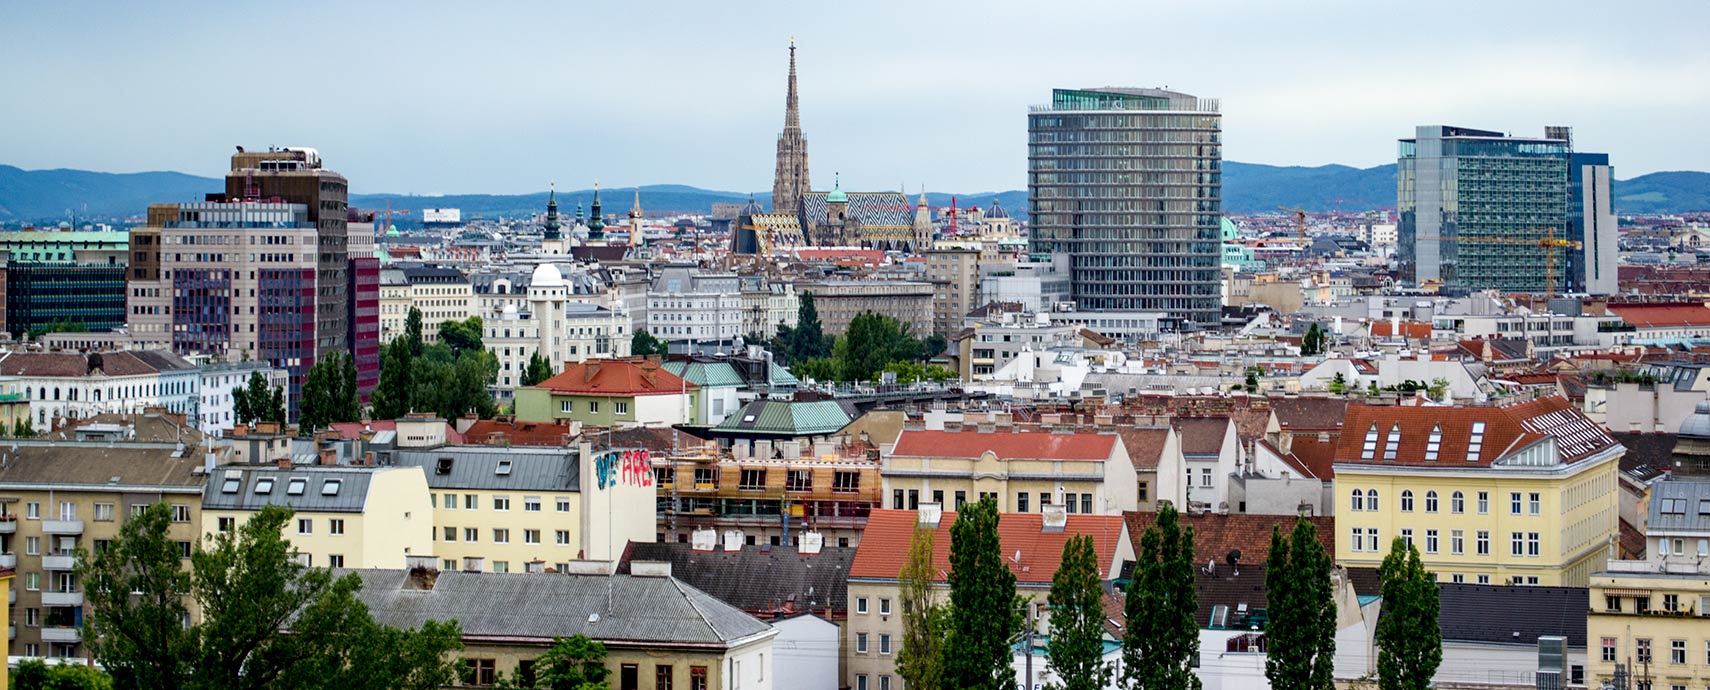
(596, 217)
(790, 180)
(552, 225)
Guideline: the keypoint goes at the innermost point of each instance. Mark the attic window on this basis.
(330, 487)
(231, 484)
(1476, 443)
(1392, 443)
(748, 418)
(1434, 444)
(1704, 506)
(1674, 506)
(1370, 448)
(504, 468)
(295, 486)
(443, 466)
(264, 485)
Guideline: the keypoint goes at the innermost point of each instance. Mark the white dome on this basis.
(509, 310)
(1698, 423)
(546, 275)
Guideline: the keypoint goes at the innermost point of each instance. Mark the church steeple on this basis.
(596, 218)
(635, 240)
(552, 225)
(790, 180)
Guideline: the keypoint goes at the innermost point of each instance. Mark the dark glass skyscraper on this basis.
(1127, 183)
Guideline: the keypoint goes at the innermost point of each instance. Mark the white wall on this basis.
(805, 652)
(1495, 664)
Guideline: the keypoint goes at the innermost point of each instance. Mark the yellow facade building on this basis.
(1650, 618)
(1517, 494)
(345, 516)
(1088, 473)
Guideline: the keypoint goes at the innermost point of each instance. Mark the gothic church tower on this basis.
(791, 179)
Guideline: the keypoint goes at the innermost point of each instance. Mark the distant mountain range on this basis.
(52, 195)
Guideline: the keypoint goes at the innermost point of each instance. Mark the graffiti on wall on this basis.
(629, 467)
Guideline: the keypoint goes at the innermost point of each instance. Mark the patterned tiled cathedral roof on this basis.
(875, 210)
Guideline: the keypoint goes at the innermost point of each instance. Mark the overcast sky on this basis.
(503, 96)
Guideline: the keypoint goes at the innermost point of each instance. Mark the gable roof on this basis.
(492, 431)
(757, 578)
(880, 209)
(1506, 429)
(1013, 445)
(1311, 413)
(616, 377)
(886, 539)
(791, 417)
(1145, 446)
(498, 469)
(1201, 435)
(1679, 505)
(1215, 535)
(99, 464)
(544, 606)
(1511, 615)
(263, 485)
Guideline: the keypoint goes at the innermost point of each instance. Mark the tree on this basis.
(349, 398)
(932, 346)
(643, 344)
(985, 613)
(538, 369)
(329, 393)
(413, 332)
(1339, 384)
(872, 342)
(461, 336)
(1301, 636)
(391, 398)
(807, 340)
(818, 369)
(23, 428)
(920, 661)
(1252, 382)
(1439, 388)
(35, 674)
(267, 621)
(573, 663)
(256, 401)
(1161, 642)
(1410, 645)
(1313, 342)
(1076, 647)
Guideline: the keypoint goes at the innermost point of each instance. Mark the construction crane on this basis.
(1548, 243)
(389, 212)
(1299, 221)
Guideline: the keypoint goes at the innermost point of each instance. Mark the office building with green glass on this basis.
(1475, 206)
(1127, 183)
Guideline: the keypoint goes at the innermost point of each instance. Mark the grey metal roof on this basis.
(479, 467)
(1680, 505)
(258, 486)
(1511, 615)
(614, 608)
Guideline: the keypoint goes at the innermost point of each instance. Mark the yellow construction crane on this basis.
(1299, 221)
(1547, 243)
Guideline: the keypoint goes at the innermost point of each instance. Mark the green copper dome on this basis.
(836, 196)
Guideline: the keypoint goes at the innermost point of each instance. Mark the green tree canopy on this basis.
(391, 398)
(920, 661)
(1410, 645)
(256, 401)
(461, 336)
(538, 369)
(1076, 646)
(413, 332)
(35, 674)
(267, 621)
(1161, 642)
(985, 613)
(872, 342)
(643, 344)
(329, 393)
(1301, 637)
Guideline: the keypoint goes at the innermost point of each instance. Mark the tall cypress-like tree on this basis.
(1161, 641)
(985, 613)
(920, 661)
(538, 369)
(392, 398)
(413, 332)
(1410, 646)
(807, 339)
(1076, 647)
(1301, 638)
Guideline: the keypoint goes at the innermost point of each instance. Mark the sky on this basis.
(503, 97)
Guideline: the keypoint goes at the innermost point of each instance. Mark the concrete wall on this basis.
(805, 653)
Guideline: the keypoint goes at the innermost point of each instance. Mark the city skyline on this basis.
(500, 101)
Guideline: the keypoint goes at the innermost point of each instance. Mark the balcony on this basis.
(8, 560)
(59, 561)
(70, 528)
(62, 598)
(11, 632)
(63, 635)
(8, 524)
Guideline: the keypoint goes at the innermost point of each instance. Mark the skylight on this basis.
(1370, 448)
(330, 487)
(264, 485)
(504, 468)
(1476, 443)
(1434, 443)
(296, 486)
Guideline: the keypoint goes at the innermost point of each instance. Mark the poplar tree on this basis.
(985, 614)
(1300, 641)
(921, 658)
(1161, 642)
(1076, 647)
(1410, 646)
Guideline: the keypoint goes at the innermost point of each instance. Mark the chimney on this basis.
(1055, 517)
(733, 540)
(703, 540)
(929, 515)
(284, 463)
(811, 544)
(650, 568)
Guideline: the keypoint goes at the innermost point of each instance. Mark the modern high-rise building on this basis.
(1128, 184)
(1476, 205)
(1591, 222)
(790, 181)
(295, 175)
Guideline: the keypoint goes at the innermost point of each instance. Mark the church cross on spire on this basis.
(790, 180)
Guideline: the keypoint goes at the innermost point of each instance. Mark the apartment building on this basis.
(57, 498)
(692, 309)
(1517, 494)
(768, 492)
(840, 301)
(1086, 473)
(1032, 545)
(345, 516)
(63, 386)
(610, 393)
(955, 278)
(1648, 616)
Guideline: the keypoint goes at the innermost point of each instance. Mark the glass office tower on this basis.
(1127, 184)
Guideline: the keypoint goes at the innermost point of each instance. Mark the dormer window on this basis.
(1370, 447)
(264, 485)
(1392, 443)
(330, 487)
(231, 484)
(1476, 443)
(504, 468)
(1434, 443)
(296, 486)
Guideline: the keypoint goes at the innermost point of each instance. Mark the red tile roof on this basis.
(489, 431)
(1309, 456)
(355, 429)
(1507, 429)
(1409, 329)
(885, 542)
(1310, 413)
(1145, 446)
(1201, 435)
(1024, 445)
(1215, 535)
(1663, 314)
(616, 377)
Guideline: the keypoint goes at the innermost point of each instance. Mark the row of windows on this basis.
(502, 535)
(1642, 652)
(1367, 500)
(1521, 544)
(569, 406)
(531, 504)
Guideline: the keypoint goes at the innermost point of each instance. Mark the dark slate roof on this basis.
(615, 608)
(871, 208)
(1310, 413)
(479, 467)
(162, 360)
(1679, 504)
(1512, 615)
(757, 578)
(1648, 454)
(352, 485)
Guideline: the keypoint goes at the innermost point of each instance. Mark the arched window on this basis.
(1434, 443)
(1407, 501)
(1371, 499)
(1393, 443)
(1457, 503)
(1359, 501)
(1370, 447)
(1430, 501)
